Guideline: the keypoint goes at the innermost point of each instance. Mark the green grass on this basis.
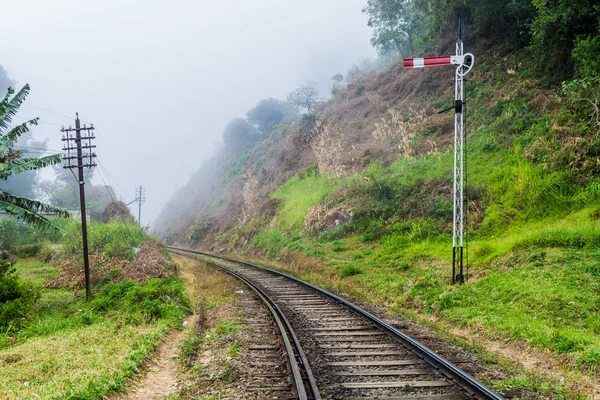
(300, 193)
(86, 363)
(408, 267)
(35, 271)
(86, 350)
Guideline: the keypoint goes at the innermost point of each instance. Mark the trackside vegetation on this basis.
(53, 343)
(533, 220)
(356, 196)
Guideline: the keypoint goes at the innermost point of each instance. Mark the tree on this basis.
(268, 113)
(63, 191)
(12, 163)
(337, 83)
(556, 29)
(116, 210)
(304, 97)
(395, 24)
(26, 183)
(239, 135)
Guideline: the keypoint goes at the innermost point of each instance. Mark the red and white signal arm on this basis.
(465, 60)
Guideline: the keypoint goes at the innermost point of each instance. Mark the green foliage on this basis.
(350, 270)
(582, 97)
(586, 55)
(396, 23)
(158, 299)
(108, 338)
(300, 193)
(116, 239)
(12, 163)
(17, 298)
(21, 239)
(337, 83)
(556, 27)
(239, 135)
(269, 113)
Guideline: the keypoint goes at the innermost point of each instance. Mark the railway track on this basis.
(336, 350)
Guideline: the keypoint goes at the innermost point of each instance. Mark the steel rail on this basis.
(463, 379)
(284, 327)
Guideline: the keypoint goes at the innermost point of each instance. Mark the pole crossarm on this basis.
(464, 63)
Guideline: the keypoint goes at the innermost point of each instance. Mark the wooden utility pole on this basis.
(140, 194)
(85, 159)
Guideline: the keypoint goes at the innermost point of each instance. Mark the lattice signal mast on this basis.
(79, 153)
(464, 63)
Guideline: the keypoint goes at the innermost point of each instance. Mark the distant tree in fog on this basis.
(25, 183)
(239, 135)
(268, 113)
(395, 23)
(305, 97)
(337, 83)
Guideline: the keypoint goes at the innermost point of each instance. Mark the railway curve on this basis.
(342, 351)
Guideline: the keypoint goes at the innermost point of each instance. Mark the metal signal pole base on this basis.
(457, 265)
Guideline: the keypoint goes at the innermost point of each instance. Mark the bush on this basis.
(17, 298)
(350, 270)
(24, 240)
(116, 239)
(29, 250)
(158, 299)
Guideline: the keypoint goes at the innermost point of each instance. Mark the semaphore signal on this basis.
(464, 63)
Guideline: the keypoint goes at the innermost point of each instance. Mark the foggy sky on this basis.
(160, 79)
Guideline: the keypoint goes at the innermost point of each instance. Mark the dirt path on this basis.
(161, 377)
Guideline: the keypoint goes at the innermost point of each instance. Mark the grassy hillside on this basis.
(357, 198)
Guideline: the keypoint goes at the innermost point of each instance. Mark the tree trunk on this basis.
(410, 43)
(399, 47)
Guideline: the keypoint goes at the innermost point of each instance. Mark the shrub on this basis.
(158, 299)
(116, 239)
(350, 270)
(17, 298)
(29, 250)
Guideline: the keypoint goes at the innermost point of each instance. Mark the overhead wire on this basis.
(52, 112)
(100, 136)
(106, 186)
(25, 119)
(102, 171)
(112, 180)
(70, 118)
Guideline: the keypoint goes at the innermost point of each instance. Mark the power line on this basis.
(39, 122)
(111, 179)
(52, 112)
(36, 148)
(106, 186)
(100, 136)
